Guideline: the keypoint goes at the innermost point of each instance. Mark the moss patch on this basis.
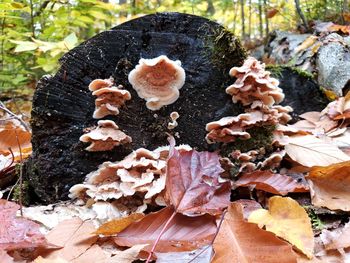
(277, 71)
(227, 50)
(261, 137)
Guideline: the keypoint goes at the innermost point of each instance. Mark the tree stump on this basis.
(63, 106)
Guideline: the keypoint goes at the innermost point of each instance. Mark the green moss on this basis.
(277, 71)
(25, 193)
(316, 222)
(261, 137)
(227, 50)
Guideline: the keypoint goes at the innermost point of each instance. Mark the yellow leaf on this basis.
(45, 260)
(117, 225)
(307, 43)
(330, 186)
(288, 220)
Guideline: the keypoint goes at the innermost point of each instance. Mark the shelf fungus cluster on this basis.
(158, 81)
(135, 181)
(105, 136)
(110, 99)
(258, 93)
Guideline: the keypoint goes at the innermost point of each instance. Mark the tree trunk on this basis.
(266, 19)
(210, 8)
(250, 19)
(260, 20)
(242, 19)
(63, 105)
(301, 14)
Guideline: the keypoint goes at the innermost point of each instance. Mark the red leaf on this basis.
(272, 183)
(182, 234)
(192, 185)
(271, 13)
(17, 233)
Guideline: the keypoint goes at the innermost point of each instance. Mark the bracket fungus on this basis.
(140, 174)
(109, 98)
(158, 81)
(258, 93)
(105, 137)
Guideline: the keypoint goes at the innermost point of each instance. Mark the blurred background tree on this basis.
(36, 33)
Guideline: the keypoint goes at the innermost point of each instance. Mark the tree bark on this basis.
(301, 14)
(261, 20)
(242, 19)
(266, 19)
(63, 105)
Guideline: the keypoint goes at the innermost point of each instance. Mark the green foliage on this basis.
(316, 222)
(36, 33)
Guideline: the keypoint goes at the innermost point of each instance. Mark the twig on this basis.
(20, 174)
(5, 109)
(159, 236)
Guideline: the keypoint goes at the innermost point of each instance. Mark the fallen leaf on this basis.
(183, 233)
(45, 260)
(311, 151)
(8, 139)
(306, 44)
(336, 239)
(201, 255)
(74, 236)
(127, 256)
(192, 182)
(115, 226)
(288, 220)
(95, 252)
(5, 258)
(330, 186)
(343, 28)
(240, 241)
(271, 183)
(248, 206)
(17, 233)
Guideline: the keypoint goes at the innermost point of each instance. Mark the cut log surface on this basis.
(63, 105)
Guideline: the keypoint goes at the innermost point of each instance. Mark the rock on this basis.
(63, 105)
(301, 92)
(281, 45)
(333, 63)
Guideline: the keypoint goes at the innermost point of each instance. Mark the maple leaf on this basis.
(288, 220)
(330, 186)
(311, 151)
(240, 241)
(272, 183)
(17, 233)
(192, 183)
(182, 233)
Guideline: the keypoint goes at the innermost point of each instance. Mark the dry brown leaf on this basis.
(271, 183)
(248, 206)
(5, 258)
(17, 233)
(311, 151)
(94, 253)
(183, 233)
(192, 183)
(330, 186)
(8, 139)
(201, 255)
(74, 236)
(336, 239)
(343, 28)
(240, 241)
(127, 256)
(45, 260)
(288, 220)
(115, 226)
